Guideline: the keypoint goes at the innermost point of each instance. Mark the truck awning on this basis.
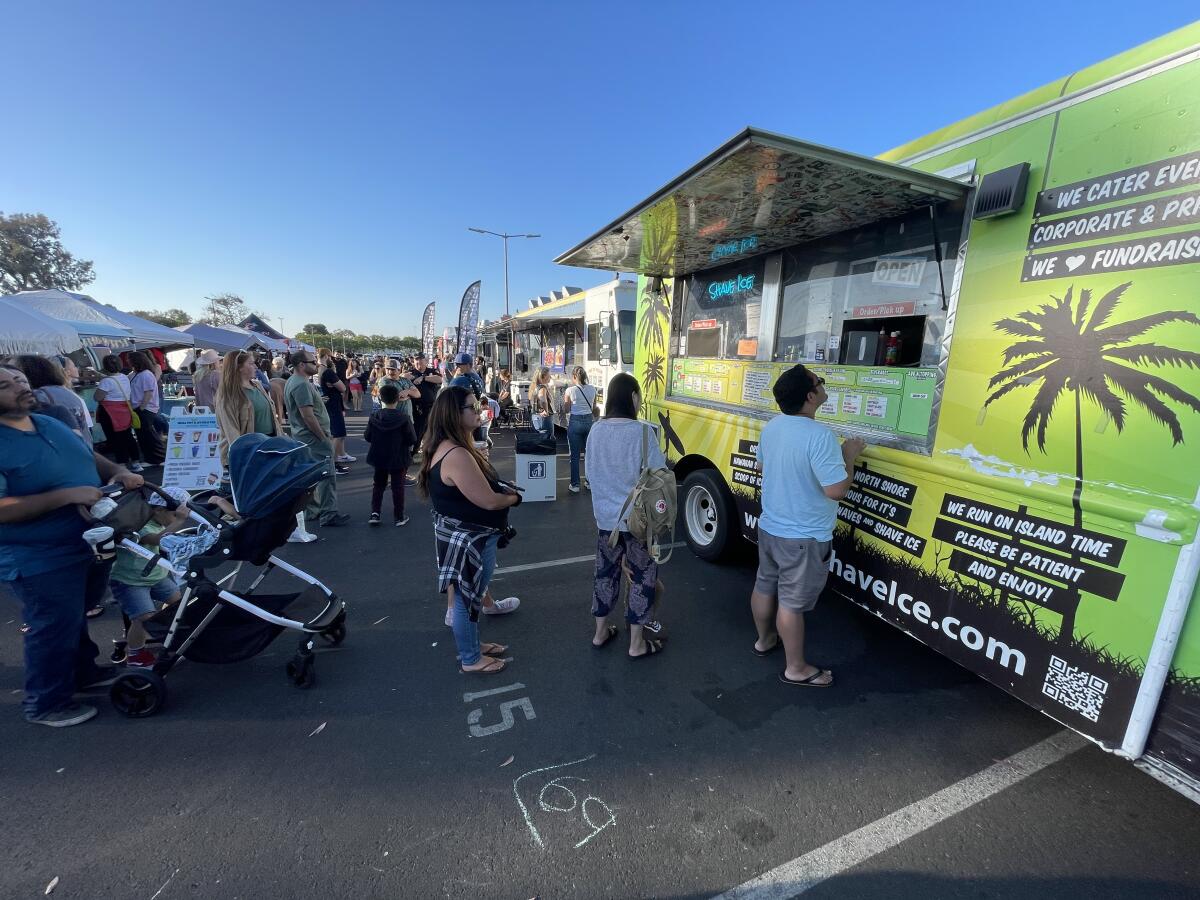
(555, 312)
(757, 192)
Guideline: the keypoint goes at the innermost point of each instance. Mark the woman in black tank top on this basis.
(471, 508)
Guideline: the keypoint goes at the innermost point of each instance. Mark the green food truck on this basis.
(1008, 311)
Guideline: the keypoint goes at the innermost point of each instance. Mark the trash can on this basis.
(537, 466)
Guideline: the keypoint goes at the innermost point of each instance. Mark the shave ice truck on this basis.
(1008, 311)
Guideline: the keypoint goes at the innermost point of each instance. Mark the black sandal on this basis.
(613, 631)
(653, 648)
(775, 646)
(810, 681)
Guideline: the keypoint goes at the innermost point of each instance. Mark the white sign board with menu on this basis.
(193, 458)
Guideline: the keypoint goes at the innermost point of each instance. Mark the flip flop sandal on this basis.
(489, 649)
(612, 632)
(653, 648)
(778, 643)
(94, 612)
(495, 667)
(810, 681)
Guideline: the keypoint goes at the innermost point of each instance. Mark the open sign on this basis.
(906, 271)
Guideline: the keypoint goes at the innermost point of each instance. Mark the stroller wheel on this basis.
(138, 694)
(335, 634)
(300, 670)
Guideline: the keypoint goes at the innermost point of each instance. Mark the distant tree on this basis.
(224, 309)
(315, 328)
(408, 343)
(33, 258)
(172, 318)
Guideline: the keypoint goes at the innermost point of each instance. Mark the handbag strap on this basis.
(124, 396)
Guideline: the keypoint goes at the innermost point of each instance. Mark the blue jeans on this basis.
(466, 632)
(577, 432)
(59, 654)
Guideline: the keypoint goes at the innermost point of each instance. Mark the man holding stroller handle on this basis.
(46, 474)
(310, 426)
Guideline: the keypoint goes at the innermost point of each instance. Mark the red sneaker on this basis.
(140, 659)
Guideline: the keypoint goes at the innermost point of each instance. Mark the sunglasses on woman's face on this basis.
(471, 407)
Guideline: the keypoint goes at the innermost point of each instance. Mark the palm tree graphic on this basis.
(656, 316)
(1062, 348)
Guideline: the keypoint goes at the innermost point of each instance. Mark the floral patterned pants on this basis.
(630, 554)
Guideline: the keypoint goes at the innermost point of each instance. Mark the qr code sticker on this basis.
(1075, 689)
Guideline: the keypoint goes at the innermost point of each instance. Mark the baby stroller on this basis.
(214, 622)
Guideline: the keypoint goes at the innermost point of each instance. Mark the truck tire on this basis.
(709, 515)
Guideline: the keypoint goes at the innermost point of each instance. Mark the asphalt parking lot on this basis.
(576, 772)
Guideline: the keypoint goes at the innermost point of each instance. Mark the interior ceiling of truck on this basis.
(756, 193)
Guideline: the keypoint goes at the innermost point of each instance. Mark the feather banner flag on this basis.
(428, 330)
(468, 320)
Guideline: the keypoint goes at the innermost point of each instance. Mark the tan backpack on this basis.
(651, 506)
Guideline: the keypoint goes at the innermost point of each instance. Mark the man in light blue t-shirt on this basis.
(804, 475)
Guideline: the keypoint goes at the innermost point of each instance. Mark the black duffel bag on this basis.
(535, 442)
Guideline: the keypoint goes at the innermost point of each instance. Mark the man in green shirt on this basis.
(310, 426)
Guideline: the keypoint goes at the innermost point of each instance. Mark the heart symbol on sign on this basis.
(1074, 262)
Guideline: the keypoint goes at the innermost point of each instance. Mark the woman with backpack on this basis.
(578, 404)
(614, 465)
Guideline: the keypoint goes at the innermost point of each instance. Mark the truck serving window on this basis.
(720, 312)
(872, 296)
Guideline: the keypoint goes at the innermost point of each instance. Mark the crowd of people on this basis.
(421, 414)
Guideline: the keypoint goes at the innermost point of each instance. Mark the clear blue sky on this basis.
(325, 160)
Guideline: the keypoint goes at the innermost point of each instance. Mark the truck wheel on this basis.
(709, 515)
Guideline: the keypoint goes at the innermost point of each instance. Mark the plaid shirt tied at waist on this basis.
(460, 558)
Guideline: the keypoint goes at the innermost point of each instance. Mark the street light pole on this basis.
(504, 236)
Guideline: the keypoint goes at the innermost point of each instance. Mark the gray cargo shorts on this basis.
(792, 569)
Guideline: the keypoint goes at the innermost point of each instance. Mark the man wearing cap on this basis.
(465, 375)
(46, 474)
(428, 382)
(309, 421)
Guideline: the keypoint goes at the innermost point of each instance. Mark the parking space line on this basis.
(566, 561)
(804, 873)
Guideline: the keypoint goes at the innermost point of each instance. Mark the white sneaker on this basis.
(502, 607)
(573, 488)
(136, 467)
(300, 536)
(346, 457)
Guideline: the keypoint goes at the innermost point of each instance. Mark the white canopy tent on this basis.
(25, 330)
(145, 333)
(87, 320)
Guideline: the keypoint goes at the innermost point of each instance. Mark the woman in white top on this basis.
(614, 463)
(578, 403)
(144, 396)
(114, 411)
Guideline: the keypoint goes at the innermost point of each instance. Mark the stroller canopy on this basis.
(269, 473)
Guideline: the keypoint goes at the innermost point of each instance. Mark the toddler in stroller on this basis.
(214, 622)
